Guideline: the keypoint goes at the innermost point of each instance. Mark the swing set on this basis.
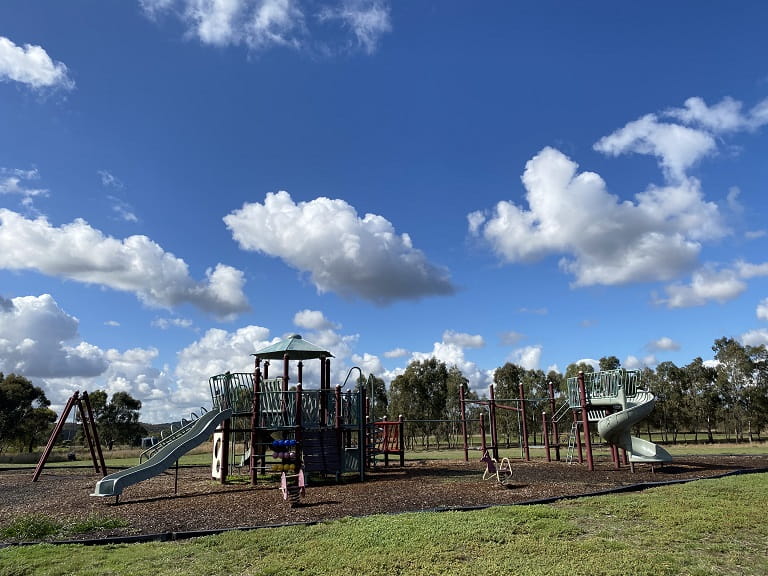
(90, 433)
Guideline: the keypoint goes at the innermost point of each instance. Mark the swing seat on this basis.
(502, 471)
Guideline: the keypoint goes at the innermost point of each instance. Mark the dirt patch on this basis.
(200, 504)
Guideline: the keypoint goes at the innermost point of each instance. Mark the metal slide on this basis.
(616, 428)
(197, 433)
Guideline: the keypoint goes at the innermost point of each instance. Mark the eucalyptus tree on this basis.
(742, 385)
(506, 382)
(701, 384)
(420, 394)
(25, 416)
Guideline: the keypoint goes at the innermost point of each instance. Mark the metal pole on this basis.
(585, 420)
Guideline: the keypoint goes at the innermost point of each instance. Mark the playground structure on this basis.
(90, 433)
(262, 426)
(613, 399)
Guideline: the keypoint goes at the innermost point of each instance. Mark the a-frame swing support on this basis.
(89, 431)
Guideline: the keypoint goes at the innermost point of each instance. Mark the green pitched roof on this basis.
(296, 347)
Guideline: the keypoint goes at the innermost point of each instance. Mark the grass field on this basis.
(702, 528)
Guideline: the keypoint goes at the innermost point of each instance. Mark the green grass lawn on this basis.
(701, 528)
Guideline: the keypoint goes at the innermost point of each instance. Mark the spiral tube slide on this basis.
(616, 429)
(199, 432)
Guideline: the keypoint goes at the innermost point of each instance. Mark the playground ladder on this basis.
(572, 441)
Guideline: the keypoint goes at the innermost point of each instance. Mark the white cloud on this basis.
(14, 181)
(657, 237)
(31, 65)
(529, 357)
(705, 285)
(166, 323)
(664, 343)
(762, 309)
(725, 116)
(749, 270)
(368, 363)
(342, 253)
(218, 351)
(396, 353)
(635, 363)
(135, 264)
(452, 354)
(264, 24)
(511, 338)
(464, 340)
(676, 147)
(39, 340)
(368, 19)
(603, 240)
(109, 180)
(755, 337)
(313, 320)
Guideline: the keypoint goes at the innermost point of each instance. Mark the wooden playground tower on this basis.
(278, 426)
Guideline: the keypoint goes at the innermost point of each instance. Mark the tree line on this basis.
(26, 419)
(727, 397)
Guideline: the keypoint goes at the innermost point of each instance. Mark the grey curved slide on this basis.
(616, 429)
(199, 431)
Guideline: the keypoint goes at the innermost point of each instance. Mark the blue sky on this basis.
(183, 182)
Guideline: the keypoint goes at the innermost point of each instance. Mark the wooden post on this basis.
(96, 440)
(545, 434)
(55, 434)
(492, 416)
(255, 438)
(521, 392)
(464, 422)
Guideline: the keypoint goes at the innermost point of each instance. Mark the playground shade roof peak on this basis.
(296, 347)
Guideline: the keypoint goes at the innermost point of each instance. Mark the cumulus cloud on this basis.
(755, 337)
(664, 343)
(464, 340)
(41, 341)
(135, 264)
(218, 351)
(264, 24)
(31, 65)
(529, 357)
(313, 320)
(679, 145)
(676, 147)
(706, 284)
(658, 236)
(452, 354)
(341, 252)
(603, 240)
(166, 323)
(396, 353)
(723, 117)
(635, 363)
(38, 339)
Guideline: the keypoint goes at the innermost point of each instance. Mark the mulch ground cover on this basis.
(201, 504)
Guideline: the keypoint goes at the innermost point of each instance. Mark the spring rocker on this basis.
(502, 471)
